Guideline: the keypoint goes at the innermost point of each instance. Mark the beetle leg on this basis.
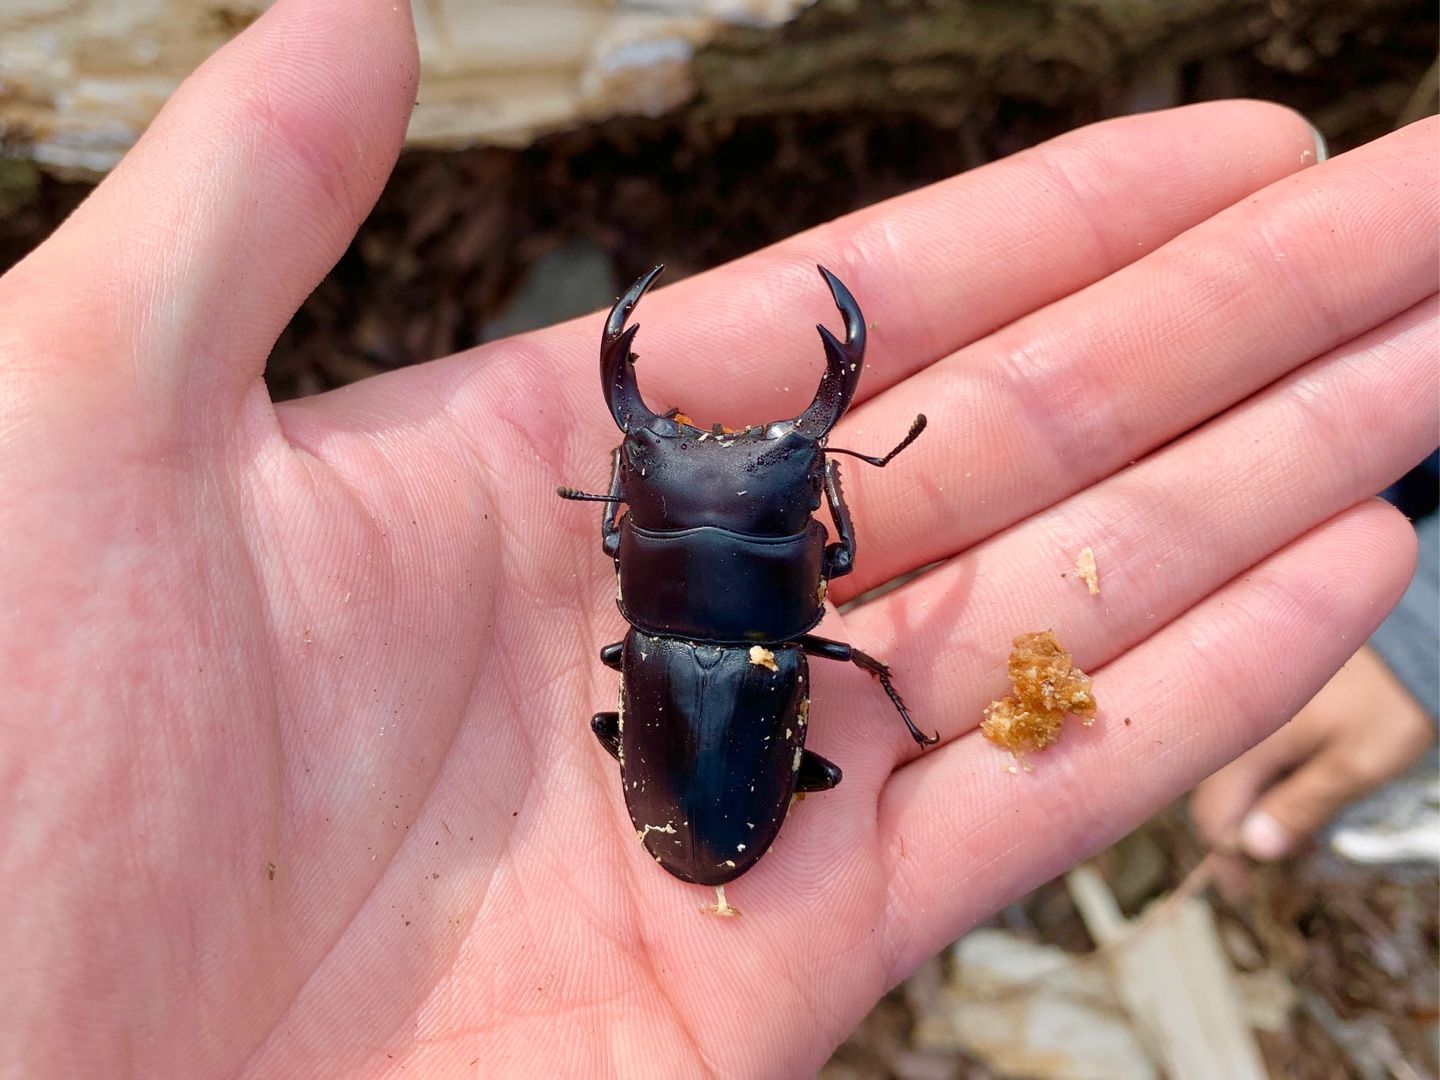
(610, 655)
(606, 726)
(816, 774)
(609, 531)
(839, 557)
(839, 650)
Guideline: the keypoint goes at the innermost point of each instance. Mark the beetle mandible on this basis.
(721, 573)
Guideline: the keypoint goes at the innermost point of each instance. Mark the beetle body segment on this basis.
(744, 563)
(709, 747)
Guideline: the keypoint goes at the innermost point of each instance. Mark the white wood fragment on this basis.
(1172, 974)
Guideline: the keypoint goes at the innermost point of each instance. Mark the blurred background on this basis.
(559, 149)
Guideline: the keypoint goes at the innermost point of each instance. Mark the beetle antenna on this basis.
(880, 462)
(581, 496)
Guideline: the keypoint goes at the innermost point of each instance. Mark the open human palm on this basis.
(295, 737)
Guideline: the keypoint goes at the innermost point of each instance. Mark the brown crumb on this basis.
(1046, 685)
(762, 657)
(1085, 567)
(715, 429)
(721, 906)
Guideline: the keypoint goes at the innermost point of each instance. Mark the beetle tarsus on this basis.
(839, 650)
(919, 736)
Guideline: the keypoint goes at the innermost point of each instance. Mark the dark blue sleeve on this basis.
(1409, 640)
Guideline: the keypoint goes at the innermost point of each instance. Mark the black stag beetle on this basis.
(722, 573)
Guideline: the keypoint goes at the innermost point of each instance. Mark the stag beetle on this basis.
(721, 573)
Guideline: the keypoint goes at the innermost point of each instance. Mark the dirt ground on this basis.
(461, 247)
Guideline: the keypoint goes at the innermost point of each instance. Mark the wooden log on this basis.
(80, 79)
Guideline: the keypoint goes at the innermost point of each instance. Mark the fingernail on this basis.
(1322, 148)
(1263, 837)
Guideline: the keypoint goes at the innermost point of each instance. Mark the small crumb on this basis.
(270, 870)
(721, 908)
(1085, 567)
(762, 657)
(1047, 685)
(822, 591)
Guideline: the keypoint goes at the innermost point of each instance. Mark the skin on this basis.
(1362, 729)
(295, 735)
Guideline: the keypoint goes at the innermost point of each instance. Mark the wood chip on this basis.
(1047, 685)
(1085, 567)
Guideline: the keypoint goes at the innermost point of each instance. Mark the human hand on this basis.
(1362, 729)
(295, 732)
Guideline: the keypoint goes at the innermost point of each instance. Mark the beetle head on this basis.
(843, 362)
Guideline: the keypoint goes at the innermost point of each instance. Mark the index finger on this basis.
(944, 265)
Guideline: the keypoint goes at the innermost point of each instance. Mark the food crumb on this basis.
(762, 657)
(721, 907)
(1046, 685)
(1085, 567)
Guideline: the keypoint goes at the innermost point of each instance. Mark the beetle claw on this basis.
(617, 362)
(843, 361)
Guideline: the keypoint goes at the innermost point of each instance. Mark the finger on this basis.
(1220, 802)
(1073, 392)
(938, 267)
(1301, 803)
(1165, 533)
(1378, 742)
(964, 836)
(183, 266)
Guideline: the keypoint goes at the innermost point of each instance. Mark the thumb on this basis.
(173, 279)
(1303, 802)
(1223, 802)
